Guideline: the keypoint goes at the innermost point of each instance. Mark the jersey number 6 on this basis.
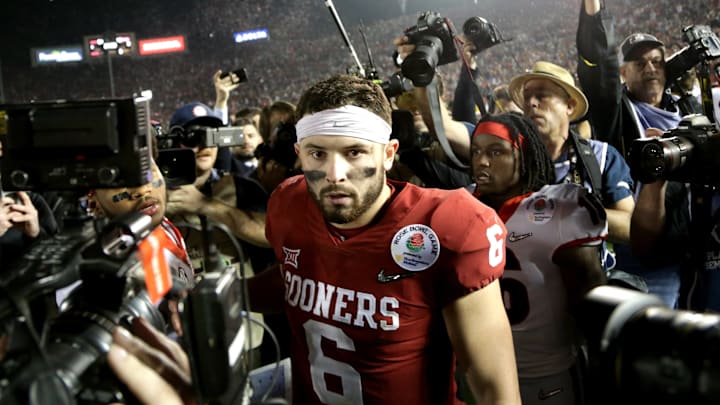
(321, 364)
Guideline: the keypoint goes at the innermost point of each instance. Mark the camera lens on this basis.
(653, 162)
(420, 65)
(476, 29)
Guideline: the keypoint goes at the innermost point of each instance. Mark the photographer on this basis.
(234, 201)
(457, 132)
(549, 96)
(678, 224)
(620, 113)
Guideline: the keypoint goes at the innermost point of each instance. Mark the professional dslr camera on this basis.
(641, 352)
(704, 45)
(434, 39)
(687, 154)
(482, 33)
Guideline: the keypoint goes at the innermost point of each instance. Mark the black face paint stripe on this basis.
(369, 172)
(121, 196)
(315, 175)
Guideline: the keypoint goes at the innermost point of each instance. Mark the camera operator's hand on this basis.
(153, 367)
(469, 51)
(403, 47)
(185, 199)
(223, 87)
(24, 215)
(5, 210)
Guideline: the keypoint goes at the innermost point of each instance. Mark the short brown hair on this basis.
(341, 90)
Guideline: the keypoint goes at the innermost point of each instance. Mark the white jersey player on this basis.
(554, 235)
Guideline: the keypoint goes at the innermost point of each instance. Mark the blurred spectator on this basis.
(244, 161)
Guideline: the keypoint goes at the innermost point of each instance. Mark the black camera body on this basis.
(177, 162)
(76, 145)
(215, 336)
(204, 137)
(111, 292)
(482, 33)
(703, 45)
(177, 166)
(687, 154)
(434, 40)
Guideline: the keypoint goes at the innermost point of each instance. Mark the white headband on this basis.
(348, 120)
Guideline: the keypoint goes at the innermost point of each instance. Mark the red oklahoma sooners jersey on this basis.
(365, 312)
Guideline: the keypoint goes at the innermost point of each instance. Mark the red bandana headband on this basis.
(500, 131)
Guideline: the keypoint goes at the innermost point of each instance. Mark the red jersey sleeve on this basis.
(475, 237)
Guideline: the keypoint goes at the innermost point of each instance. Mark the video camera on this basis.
(686, 154)
(703, 45)
(640, 351)
(75, 145)
(57, 355)
(70, 361)
(201, 136)
(434, 39)
(177, 162)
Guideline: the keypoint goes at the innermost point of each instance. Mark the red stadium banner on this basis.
(155, 46)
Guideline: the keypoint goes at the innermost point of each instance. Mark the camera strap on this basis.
(479, 100)
(474, 88)
(434, 101)
(589, 162)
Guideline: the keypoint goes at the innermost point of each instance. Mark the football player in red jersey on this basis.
(554, 237)
(387, 286)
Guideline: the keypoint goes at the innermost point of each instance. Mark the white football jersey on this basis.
(555, 217)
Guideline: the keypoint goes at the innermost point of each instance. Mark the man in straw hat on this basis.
(548, 96)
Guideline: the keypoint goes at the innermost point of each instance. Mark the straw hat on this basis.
(557, 75)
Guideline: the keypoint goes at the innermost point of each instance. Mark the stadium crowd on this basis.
(305, 45)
